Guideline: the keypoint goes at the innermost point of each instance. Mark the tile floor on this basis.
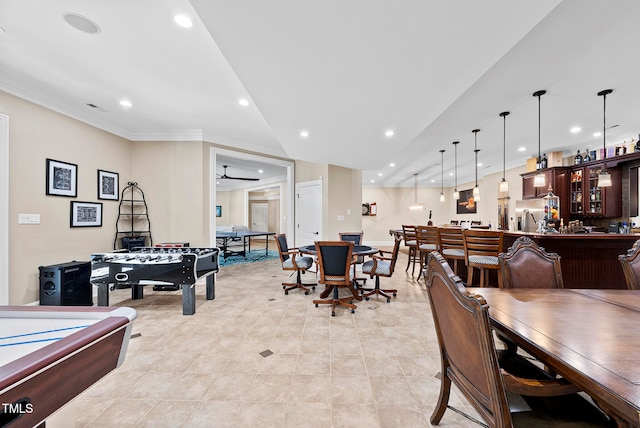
(374, 368)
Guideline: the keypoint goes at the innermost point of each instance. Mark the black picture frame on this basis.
(218, 210)
(108, 185)
(85, 214)
(466, 204)
(62, 178)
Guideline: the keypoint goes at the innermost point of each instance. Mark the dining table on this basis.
(590, 337)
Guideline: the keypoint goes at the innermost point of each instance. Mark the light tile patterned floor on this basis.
(374, 368)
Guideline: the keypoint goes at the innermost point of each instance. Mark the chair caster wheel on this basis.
(395, 294)
(388, 300)
(366, 298)
(286, 292)
(306, 293)
(353, 311)
(316, 305)
(333, 314)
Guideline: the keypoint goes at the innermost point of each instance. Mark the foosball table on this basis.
(160, 267)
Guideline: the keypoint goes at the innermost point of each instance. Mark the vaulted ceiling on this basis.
(346, 72)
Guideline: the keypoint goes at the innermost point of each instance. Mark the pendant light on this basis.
(456, 194)
(604, 178)
(416, 205)
(539, 180)
(504, 184)
(476, 190)
(441, 175)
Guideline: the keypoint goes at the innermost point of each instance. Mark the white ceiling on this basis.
(345, 71)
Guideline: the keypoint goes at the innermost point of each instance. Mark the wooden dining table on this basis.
(591, 337)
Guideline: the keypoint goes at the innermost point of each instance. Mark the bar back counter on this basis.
(589, 260)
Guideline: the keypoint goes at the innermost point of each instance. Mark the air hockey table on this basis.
(50, 354)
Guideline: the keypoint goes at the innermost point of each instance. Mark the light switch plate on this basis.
(28, 218)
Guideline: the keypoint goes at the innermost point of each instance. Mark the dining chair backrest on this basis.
(283, 247)
(527, 265)
(355, 237)
(467, 349)
(631, 266)
(334, 261)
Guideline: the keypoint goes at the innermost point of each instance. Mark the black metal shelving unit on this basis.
(133, 228)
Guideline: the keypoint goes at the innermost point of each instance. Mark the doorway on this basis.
(308, 212)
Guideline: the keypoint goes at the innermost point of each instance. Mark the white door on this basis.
(260, 217)
(308, 212)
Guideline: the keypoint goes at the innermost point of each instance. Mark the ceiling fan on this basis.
(224, 176)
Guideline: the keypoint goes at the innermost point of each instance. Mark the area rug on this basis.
(252, 256)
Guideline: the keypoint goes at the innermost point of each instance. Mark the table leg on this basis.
(188, 299)
(211, 287)
(103, 294)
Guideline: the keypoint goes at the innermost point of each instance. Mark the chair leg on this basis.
(411, 251)
(288, 286)
(469, 276)
(378, 290)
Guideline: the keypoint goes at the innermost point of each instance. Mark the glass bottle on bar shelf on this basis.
(577, 160)
(543, 161)
(586, 157)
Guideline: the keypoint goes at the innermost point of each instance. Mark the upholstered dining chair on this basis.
(411, 242)
(427, 239)
(527, 265)
(292, 260)
(631, 266)
(481, 249)
(380, 264)
(357, 239)
(451, 244)
(470, 361)
(336, 267)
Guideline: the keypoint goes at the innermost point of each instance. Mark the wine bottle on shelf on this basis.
(543, 161)
(577, 160)
(586, 158)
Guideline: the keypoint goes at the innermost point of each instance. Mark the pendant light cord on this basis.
(504, 115)
(604, 94)
(475, 145)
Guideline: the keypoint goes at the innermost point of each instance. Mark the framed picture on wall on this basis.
(218, 210)
(86, 214)
(108, 187)
(466, 203)
(62, 178)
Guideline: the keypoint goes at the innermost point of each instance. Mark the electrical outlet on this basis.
(28, 218)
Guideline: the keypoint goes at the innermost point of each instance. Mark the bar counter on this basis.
(588, 260)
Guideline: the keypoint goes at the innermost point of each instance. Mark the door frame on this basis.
(287, 213)
(4, 209)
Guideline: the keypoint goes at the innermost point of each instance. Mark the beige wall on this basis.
(36, 134)
(171, 176)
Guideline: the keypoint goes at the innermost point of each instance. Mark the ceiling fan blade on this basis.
(242, 178)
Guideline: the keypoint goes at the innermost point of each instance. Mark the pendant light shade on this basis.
(539, 180)
(604, 178)
(442, 175)
(504, 184)
(476, 190)
(456, 194)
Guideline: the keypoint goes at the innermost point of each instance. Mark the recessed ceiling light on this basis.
(379, 174)
(373, 181)
(522, 149)
(125, 103)
(575, 129)
(389, 133)
(479, 163)
(433, 181)
(392, 164)
(597, 134)
(243, 102)
(183, 20)
(81, 23)
(217, 182)
(260, 171)
(304, 134)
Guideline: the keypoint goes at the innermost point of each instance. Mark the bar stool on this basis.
(411, 242)
(451, 245)
(481, 249)
(427, 239)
